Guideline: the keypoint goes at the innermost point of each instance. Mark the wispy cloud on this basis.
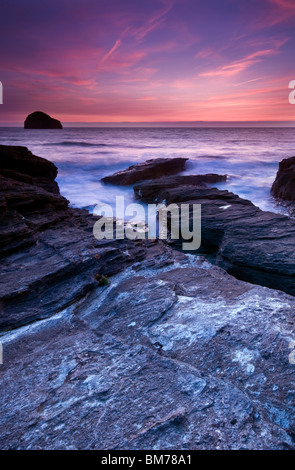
(276, 12)
(120, 63)
(239, 66)
(284, 4)
(162, 59)
(247, 81)
(147, 98)
(111, 51)
(117, 59)
(206, 53)
(153, 22)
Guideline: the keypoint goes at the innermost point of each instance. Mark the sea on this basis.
(249, 156)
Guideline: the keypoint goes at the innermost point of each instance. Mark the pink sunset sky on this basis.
(147, 61)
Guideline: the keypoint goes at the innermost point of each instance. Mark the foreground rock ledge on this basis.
(251, 244)
(182, 356)
(151, 191)
(148, 170)
(173, 354)
(49, 256)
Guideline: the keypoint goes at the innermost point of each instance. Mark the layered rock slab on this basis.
(284, 185)
(181, 356)
(49, 256)
(253, 245)
(150, 169)
(151, 191)
(174, 354)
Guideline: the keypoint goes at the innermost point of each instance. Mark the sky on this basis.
(147, 61)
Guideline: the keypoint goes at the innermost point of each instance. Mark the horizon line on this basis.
(68, 124)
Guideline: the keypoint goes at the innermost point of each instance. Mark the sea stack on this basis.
(40, 120)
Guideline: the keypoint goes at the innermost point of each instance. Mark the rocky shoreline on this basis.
(121, 344)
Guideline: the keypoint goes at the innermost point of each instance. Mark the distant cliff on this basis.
(40, 120)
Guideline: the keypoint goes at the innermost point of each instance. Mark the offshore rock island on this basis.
(40, 120)
(173, 351)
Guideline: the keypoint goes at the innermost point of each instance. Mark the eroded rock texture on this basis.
(148, 170)
(151, 191)
(284, 184)
(253, 245)
(181, 356)
(120, 344)
(49, 256)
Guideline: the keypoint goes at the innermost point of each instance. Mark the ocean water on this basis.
(249, 156)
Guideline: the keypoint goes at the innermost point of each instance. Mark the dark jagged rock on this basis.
(152, 190)
(184, 358)
(30, 197)
(284, 184)
(20, 164)
(49, 256)
(40, 120)
(171, 353)
(251, 244)
(148, 170)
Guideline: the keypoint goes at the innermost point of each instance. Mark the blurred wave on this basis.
(73, 144)
(249, 156)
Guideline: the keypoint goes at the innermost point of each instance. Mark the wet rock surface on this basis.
(49, 256)
(148, 170)
(181, 356)
(40, 120)
(151, 191)
(29, 197)
(120, 344)
(284, 184)
(251, 244)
